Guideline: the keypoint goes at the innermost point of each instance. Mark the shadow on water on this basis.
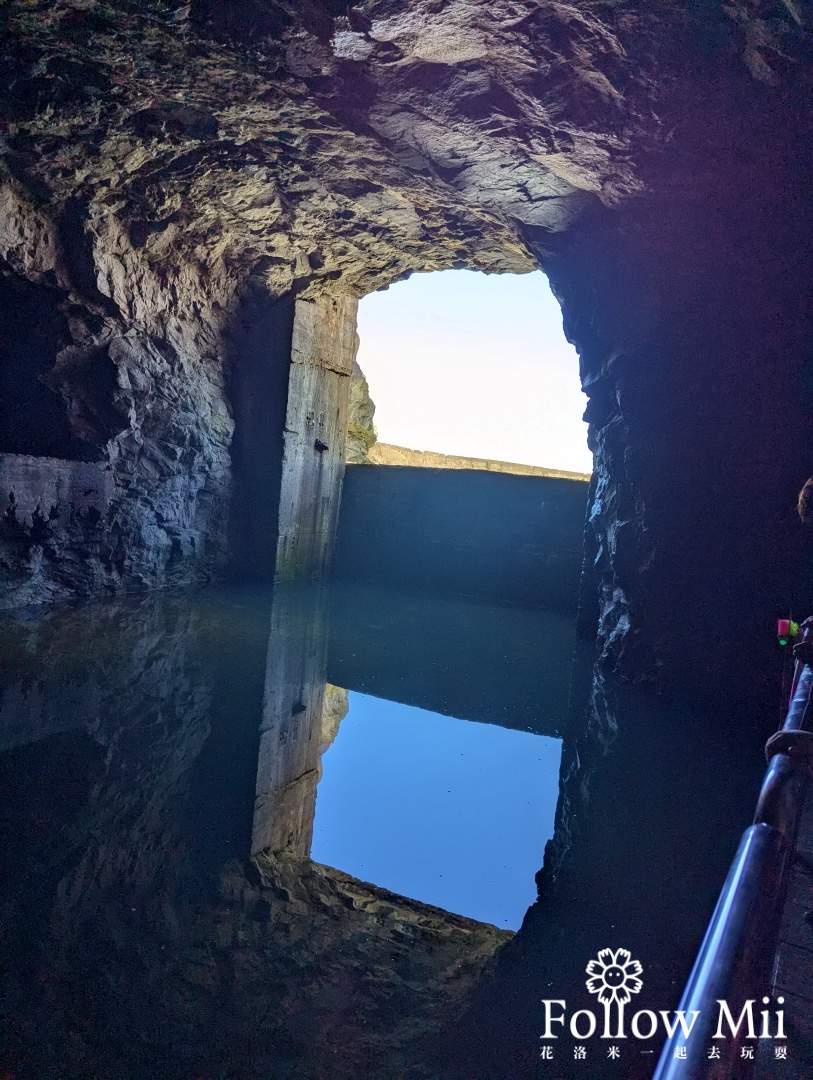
(159, 767)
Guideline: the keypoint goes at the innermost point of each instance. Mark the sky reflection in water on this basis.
(450, 812)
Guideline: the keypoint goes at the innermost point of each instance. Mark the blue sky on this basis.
(451, 812)
(474, 364)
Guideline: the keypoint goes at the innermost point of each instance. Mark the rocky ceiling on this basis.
(305, 143)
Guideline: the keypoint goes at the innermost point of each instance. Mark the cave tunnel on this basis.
(193, 200)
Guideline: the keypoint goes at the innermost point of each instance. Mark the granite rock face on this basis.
(361, 432)
(335, 706)
(84, 382)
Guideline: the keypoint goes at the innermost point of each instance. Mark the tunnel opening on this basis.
(441, 809)
(422, 566)
(467, 459)
(473, 370)
(428, 562)
(374, 696)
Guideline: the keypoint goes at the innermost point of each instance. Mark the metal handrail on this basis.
(735, 961)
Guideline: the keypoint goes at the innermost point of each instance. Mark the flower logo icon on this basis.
(614, 979)
(614, 976)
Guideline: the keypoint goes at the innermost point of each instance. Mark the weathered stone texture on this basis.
(323, 352)
(335, 706)
(145, 398)
(361, 432)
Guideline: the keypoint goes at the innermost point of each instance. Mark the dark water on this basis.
(169, 765)
(148, 748)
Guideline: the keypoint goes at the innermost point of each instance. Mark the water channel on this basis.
(292, 834)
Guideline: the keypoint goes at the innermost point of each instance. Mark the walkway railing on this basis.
(735, 961)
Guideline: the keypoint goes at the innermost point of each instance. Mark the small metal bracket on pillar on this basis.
(322, 354)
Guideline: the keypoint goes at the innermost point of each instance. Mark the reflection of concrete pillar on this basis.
(322, 354)
(291, 727)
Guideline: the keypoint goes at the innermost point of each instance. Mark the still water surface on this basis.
(141, 939)
(448, 811)
(169, 765)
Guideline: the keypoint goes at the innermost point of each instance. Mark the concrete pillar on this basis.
(291, 726)
(323, 349)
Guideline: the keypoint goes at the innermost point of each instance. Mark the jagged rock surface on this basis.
(335, 706)
(361, 433)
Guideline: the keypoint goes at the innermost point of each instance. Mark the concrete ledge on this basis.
(52, 488)
(387, 454)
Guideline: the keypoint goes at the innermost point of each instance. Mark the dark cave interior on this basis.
(192, 200)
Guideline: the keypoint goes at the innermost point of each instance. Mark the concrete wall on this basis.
(517, 539)
(257, 387)
(505, 665)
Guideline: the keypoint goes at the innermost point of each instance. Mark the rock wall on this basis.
(697, 374)
(135, 386)
(361, 432)
(166, 164)
(166, 176)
